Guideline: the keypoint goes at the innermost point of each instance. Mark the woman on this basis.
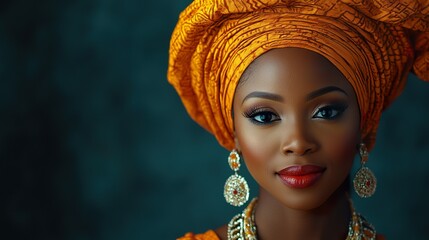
(296, 88)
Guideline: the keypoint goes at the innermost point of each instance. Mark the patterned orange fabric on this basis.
(374, 43)
(211, 235)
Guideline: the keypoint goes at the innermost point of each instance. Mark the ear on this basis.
(359, 140)
(237, 144)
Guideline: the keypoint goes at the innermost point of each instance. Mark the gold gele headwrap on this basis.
(373, 43)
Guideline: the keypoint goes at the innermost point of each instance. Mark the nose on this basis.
(298, 139)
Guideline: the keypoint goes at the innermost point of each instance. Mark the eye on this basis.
(261, 116)
(330, 112)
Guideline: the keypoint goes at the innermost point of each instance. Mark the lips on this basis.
(301, 176)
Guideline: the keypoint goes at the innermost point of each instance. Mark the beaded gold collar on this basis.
(242, 226)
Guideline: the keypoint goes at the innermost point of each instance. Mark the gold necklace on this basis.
(242, 226)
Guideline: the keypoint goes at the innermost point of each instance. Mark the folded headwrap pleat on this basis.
(421, 64)
(373, 43)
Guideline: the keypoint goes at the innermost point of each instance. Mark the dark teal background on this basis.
(95, 144)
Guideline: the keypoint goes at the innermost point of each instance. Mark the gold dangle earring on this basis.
(364, 181)
(236, 190)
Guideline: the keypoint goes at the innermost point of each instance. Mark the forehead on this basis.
(293, 70)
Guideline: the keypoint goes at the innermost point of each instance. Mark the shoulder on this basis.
(222, 232)
(380, 237)
(209, 235)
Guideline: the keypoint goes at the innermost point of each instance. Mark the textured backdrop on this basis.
(95, 143)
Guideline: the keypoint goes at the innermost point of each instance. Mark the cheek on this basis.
(255, 147)
(347, 148)
(345, 139)
(251, 147)
(344, 146)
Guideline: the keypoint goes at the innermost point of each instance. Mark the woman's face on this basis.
(296, 122)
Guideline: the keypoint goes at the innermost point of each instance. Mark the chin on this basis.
(308, 199)
(305, 202)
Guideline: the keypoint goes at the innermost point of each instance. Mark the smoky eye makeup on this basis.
(331, 111)
(261, 115)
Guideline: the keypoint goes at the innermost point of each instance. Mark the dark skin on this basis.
(293, 107)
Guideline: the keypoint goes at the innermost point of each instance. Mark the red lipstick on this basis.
(300, 176)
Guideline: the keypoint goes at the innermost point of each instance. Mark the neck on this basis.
(329, 221)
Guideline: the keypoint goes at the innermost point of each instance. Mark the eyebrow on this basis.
(323, 91)
(266, 95)
(278, 98)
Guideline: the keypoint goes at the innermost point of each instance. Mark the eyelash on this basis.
(255, 112)
(339, 108)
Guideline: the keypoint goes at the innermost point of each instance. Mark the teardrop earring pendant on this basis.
(236, 189)
(364, 181)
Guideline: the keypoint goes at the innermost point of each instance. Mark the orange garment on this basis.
(374, 43)
(211, 235)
